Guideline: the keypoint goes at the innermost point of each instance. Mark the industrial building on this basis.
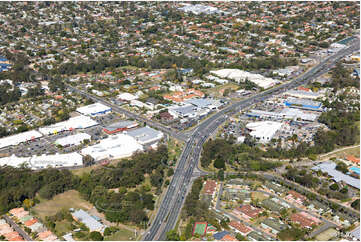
(75, 139)
(78, 122)
(337, 176)
(145, 135)
(303, 104)
(114, 147)
(19, 138)
(263, 131)
(119, 127)
(94, 109)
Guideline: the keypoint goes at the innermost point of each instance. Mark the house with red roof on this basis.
(248, 211)
(240, 228)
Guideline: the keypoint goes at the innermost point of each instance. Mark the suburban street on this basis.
(171, 205)
(17, 228)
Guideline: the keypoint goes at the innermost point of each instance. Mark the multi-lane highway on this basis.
(171, 205)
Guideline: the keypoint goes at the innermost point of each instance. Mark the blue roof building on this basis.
(220, 235)
(303, 104)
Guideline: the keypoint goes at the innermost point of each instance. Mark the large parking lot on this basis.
(46, 144)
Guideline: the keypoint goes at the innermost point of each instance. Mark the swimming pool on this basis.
(355, 169)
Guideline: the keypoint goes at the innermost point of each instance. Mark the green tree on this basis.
(172, 235)
(95, 236)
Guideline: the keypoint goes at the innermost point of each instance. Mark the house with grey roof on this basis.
(274, 225)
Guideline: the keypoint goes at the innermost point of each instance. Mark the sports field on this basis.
(200, 228)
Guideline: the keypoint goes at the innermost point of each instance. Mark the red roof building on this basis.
(30, 222)
(241, 228)
(249, 211)
(210, 187)
(228, 237)
(302, 220)
(353, 159)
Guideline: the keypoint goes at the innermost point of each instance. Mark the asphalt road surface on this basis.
(117, 109)
(17, 228)
(171, 205)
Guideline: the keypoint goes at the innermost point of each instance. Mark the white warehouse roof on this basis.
(145, 135)
(303, 94)
(14, 161)
(264, 130)
(75, 139)
(94, 109)
(115, 147)
(19, 138)
(44, 161)
(241, 76)
(56, 161)
(78, 122)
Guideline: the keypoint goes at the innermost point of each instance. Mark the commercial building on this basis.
(145, 135)
(119, 127)
(78, 122)
(241, 76)
(263, 131)
(114, 147)
(56, 161)
(303, 94)
(44, 161)
(94, 109)
(88, 220)
(19, 138)
(295, 114)
(337, 176)
(204, 103)
(187, 111)
(75, 139)
(303, 103)
(286, 113)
